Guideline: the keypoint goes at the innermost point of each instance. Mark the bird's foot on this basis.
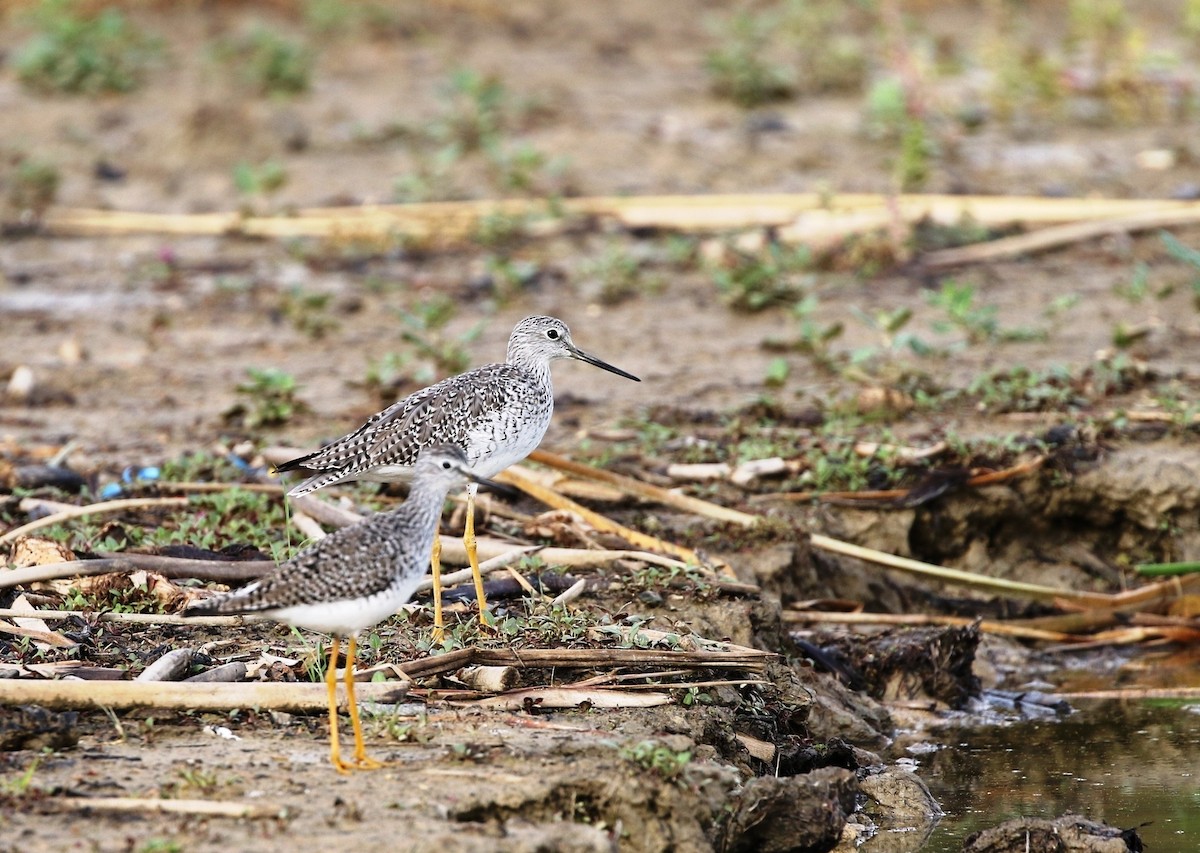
(365, 762)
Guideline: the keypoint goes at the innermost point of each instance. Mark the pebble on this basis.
(21, 383)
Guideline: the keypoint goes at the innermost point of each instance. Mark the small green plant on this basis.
(426, 322)
(657, 758)
(820, 35)
(914, 160)
(309, 312)
(778, 370)
(269, 62)
(890, 325)
(272, 398)
(740, 70)
(499, 229)
(510, 276)
(836, 467)
(262, 179)
(197, 779)
(74, 52)
(977, 322)
(617, 272)
(19, 784)
(886, 110)
(1135, 289)
(517, 167)
(815, 338)
(1191, 18)
(962, 313)
(1024, 390)
(756, 281)
(161, 845)
(331, 17)
(1061, 304)
(315, 660)
(480, 109)
(1026, 80)
(433, 179)
(32, 187)
(1189, 256)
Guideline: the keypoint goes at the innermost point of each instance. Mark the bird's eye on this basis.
(552, 334)
(446, 466)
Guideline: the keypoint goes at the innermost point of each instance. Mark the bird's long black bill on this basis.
(603, 365)
(491, 484)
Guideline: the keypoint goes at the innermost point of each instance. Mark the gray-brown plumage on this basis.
(497, 413)
(361, 574)
(354, 579)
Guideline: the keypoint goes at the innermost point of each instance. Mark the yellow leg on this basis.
(361, 761)
(435, 562)
(331, 683)
(473, 557)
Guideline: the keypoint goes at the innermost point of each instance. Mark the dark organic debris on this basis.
(933, 663)
(1070, 833)
(794, 813)
(507, 587)
(34, 727)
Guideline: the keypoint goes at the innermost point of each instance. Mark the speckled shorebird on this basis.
(355, 578)
(497, 413)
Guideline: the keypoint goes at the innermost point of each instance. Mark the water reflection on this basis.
(1120, 763)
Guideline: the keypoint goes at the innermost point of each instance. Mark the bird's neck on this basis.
(537, 367)
(421, 511)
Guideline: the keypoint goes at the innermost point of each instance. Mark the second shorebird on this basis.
(497, 414)
(354, 579)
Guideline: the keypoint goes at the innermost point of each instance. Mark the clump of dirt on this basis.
(1069, 833)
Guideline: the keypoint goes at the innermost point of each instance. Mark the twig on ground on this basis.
(133, 618)
(1134, 693)
(101, 508)
(168, 567)
(921, 619)
(308, 526)
(50, 638)
(972, 580)
(185, 695)
(801, 217)
(202, 808)
(1061, 235)
(637, 488)
(989, 478)
(515, 476)
(568, 697)
(739, 658)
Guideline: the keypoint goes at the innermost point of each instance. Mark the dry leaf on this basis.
(1185, 606)
(879, 400)
(562, 527)
(150, 585)
(32, 551)
(567, 697)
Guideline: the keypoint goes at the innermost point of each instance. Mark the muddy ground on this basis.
(135, 347)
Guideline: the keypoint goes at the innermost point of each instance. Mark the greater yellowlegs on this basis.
(355, 578)
(497, 414)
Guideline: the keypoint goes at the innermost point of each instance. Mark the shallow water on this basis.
(1122, 763)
